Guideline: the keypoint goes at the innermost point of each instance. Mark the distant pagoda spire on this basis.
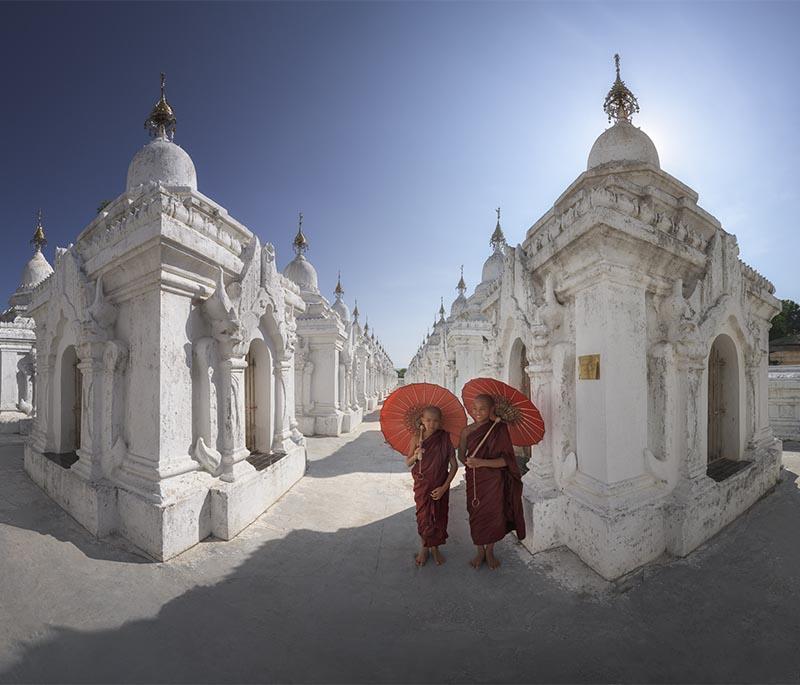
(461, 287)
(355, 311)
(38, 240)
(498, 240)
(620, 104)
(339, 290)
(441, 310)
(300, 242)
(366, 326)
(162, 122)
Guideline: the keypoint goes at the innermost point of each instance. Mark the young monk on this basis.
(433, 466)
(494, 482)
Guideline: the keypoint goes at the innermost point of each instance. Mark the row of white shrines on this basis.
(166, 371)
(625, 314)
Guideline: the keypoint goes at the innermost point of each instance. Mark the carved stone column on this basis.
(540, 372)
(113, 447)
(231, 406)
(41, 419)
(282, 368)
(693, 364)
(90, 450)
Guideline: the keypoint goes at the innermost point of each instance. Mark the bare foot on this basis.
(438, 557)
(491, 559)
(478, 559)
(421, 557)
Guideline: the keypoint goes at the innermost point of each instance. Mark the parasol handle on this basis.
(480, 444)
(475, 501)
(419, 446)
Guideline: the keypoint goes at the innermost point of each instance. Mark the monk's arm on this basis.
(453, 469)
(462, 447)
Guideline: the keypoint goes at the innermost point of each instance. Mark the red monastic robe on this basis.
(428, 474)
(498, 509)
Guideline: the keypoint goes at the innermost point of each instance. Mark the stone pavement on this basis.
(322, 588)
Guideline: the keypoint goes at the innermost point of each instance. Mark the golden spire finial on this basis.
(162, 122)
(461, 287)
(339, 291)
(38, 237)
(300, 242)
(620, 104)
(498, 239)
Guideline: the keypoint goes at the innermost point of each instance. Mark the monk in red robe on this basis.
(433, 466)
(494, 482)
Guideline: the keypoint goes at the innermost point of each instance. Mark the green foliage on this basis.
(787, 322)
(103, 205)
(401, 373)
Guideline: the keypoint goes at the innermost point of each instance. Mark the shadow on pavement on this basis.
(25, 506)
(348, 606)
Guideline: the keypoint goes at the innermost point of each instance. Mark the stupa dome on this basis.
(162, 161)
(623, 143)
(342, 309)
(302, 272)
(492, 267)
(458, 306)
(35, 271)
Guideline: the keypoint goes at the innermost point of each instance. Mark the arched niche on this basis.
(259, 398)
(69, 402)
(723, 437)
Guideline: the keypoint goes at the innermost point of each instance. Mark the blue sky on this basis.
(398, 127)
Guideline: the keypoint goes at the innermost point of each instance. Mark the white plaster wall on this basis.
(612, 411)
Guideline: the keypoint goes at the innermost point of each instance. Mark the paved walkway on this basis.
(322, 588)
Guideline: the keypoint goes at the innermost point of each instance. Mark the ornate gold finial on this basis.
(339, 291)
(498, 239)
(38, 237)
(300, 242)
(620, 104)
(162, 122)
(461, 286)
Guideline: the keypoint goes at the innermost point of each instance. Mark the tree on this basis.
(787, 322)
(401, 373)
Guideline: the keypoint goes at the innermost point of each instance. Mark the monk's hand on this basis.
(418, 454)
(473, 462)
(438, 493)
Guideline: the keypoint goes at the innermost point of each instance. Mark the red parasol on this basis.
(402, 410)
(525, 424)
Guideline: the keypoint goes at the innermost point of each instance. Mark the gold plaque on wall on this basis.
(589, 367)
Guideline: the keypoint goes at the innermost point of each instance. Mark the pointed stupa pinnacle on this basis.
(300, 242)
(366, 326)
(461, 287)
(498, 239)
(620, 104)
(441, 309)
(38, 240)
(162, 122)
(355, 311)
(339, 290)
